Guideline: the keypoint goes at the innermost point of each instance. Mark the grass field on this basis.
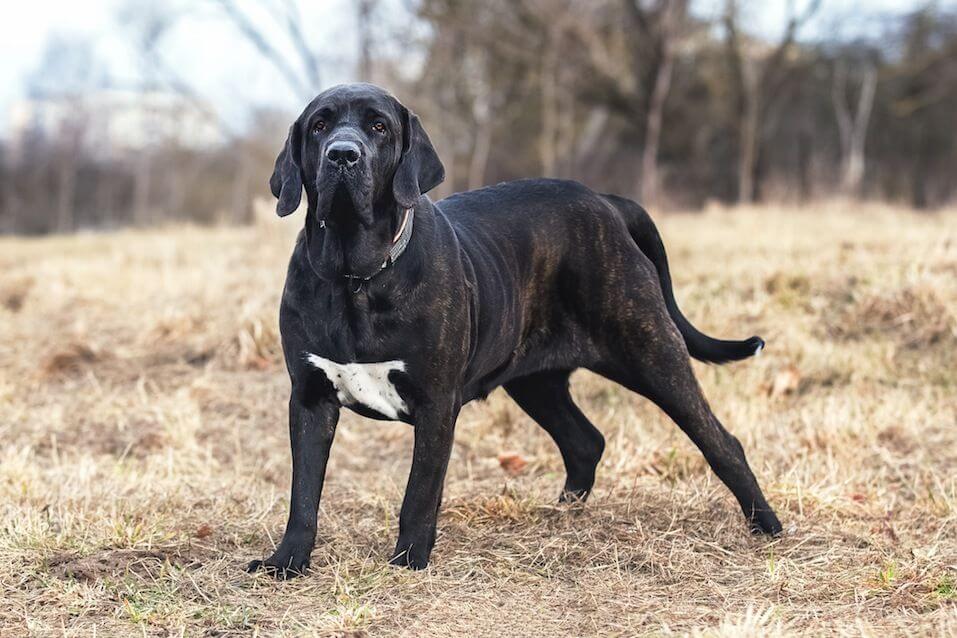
(144, 454)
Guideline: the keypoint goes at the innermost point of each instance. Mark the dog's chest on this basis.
(366, 384)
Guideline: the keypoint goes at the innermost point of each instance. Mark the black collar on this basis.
(399, 243)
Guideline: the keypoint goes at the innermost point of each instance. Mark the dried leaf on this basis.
(512, 462)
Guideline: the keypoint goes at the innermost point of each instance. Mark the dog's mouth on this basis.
(342, 208)
(344, 201)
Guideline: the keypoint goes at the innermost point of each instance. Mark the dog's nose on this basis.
(343, 153)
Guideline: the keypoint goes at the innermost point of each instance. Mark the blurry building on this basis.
(113, 122)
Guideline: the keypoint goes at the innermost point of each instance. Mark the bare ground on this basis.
(144, 456)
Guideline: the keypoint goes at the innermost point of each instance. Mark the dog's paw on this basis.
(765, 522)
(570, 495)
(410, 555)
(281, 566)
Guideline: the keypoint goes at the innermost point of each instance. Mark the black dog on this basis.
(404, 309)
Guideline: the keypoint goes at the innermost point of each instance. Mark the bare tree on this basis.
(147, 28)
(631, 50)
(364, 14)
(508, 88)
(67, 70)
(550, 67)
(555, 19)
(661, 24)
(756, 79)
(853, 125)
(301, 72)
(485, 105)
(69, 148)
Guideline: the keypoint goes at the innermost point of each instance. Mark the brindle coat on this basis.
(513, 285)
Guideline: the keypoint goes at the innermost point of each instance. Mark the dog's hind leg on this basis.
(652, 360)
(545, 397)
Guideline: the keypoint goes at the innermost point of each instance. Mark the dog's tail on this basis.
(700, 346)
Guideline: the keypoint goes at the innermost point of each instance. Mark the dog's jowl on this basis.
(401, 308)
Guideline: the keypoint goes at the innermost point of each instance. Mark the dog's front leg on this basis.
(311, 430)
(423, 494)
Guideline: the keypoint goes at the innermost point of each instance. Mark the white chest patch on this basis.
(364, 383)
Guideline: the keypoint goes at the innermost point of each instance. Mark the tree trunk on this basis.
(919, 197)
(479, 159)
(755, 86)
(853, 177)
(650, 179)
(549, 80)
(104, 198)
(748, 143)
(66, 191)
(141, 188)
(482, 141)
(649, 153)
(8, 212)
(804, 154)
(240, 195)
(364, 10)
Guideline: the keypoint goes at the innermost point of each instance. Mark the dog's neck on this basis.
(400, 242)
(383, 243)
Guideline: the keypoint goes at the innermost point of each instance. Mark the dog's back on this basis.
(542, 231)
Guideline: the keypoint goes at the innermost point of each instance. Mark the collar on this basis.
(399, 243)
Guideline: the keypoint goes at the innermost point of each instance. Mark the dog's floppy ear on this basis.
(286, 180)
(420, 169)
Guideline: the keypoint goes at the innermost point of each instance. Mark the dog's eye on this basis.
(318, 127)
(378, 126)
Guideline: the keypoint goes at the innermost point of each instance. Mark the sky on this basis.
(203, 48)
(230, 74)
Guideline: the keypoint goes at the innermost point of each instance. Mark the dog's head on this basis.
(363, 159)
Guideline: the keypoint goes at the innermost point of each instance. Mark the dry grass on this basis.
(144, 455)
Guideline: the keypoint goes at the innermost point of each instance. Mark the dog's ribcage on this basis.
(367, 384)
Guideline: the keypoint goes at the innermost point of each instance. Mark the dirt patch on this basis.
(914, 317)
(13, 294)
(138, 439)
(70, 360)
(114, 563)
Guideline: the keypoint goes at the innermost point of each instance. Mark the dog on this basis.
(400, 308)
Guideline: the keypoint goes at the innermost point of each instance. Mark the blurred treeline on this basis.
(649, 98)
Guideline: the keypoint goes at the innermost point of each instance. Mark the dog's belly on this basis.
(366, 384)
